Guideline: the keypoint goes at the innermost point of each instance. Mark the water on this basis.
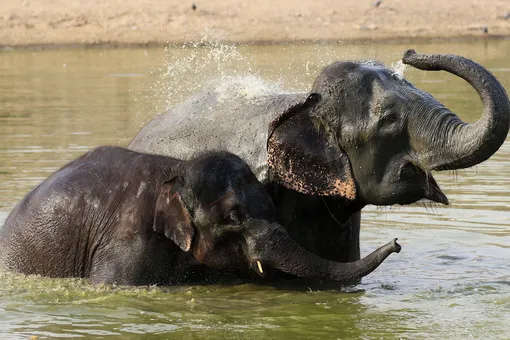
(452, 278)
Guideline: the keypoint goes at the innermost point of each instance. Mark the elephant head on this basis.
(366, 134)
(220, 213)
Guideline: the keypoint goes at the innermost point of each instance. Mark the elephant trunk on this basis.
(461, 145)
(276, 249)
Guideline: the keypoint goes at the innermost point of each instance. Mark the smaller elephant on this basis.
(119, 216)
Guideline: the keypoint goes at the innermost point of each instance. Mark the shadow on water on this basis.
(452, 278)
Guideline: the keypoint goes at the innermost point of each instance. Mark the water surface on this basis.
(452, 278)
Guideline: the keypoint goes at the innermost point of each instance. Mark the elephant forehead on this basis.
(384, 98)
(375, 81)
(378, 71)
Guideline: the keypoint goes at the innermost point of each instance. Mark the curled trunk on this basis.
(279, 251)
(461, 145)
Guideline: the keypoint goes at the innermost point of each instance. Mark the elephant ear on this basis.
(306, 159)
(171, 216)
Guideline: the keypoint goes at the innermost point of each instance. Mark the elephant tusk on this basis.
(259, 265)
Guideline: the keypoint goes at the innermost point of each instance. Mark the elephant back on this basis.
(234, 121)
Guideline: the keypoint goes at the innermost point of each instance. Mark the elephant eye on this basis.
(389, 119)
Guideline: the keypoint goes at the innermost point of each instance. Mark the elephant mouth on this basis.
(434, 193)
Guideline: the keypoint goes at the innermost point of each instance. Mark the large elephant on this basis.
(119, 216)
(362, 135)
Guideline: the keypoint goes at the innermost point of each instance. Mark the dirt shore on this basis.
(61, 22)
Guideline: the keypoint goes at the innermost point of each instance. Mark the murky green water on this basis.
(452, 279)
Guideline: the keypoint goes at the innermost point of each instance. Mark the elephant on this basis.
(118, 216)
(363, 135)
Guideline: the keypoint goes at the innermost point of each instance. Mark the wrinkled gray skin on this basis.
(119, 216)
(361, 136)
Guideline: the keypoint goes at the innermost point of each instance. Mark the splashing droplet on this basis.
(398, 69)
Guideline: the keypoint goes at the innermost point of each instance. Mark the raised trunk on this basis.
(462, 145)
(277, 250)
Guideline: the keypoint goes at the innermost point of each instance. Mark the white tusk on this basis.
(260, 267)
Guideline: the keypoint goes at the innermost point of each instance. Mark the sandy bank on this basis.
(48, 22)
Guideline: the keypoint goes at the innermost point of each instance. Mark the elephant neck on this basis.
(339, 208)
(326, 226)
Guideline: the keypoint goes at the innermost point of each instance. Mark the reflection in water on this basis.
(452, 278)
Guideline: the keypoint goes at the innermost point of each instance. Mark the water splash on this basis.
(370, 62)
(249, 87)
(211, 62)
(41, 289)
(398, 69)
(196, 66)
